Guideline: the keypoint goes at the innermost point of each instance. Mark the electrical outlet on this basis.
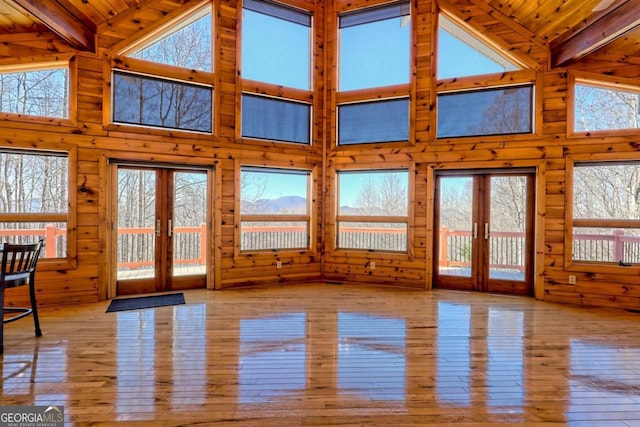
(278, 265)
(372, 265)
(572, 280)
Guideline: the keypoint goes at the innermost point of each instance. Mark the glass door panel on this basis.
(136, 219)
(162, 231)
(508, 226)
(456, 226)
(189, 223)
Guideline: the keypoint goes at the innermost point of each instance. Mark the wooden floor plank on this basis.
(327, 355)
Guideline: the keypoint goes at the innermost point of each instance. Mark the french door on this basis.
(484, 238)
(162, 233)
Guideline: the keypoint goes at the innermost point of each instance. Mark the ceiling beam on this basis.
(619, 20)
(76, 30)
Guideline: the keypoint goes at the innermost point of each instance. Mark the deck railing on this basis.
(136, 245)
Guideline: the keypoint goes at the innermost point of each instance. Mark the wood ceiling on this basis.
(573, 28)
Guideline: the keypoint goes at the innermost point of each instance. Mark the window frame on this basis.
(599, 81)
(309, 217)
(161, 79)
(284, 93)
(405, 90)
(70, 217)
(570, 223)
(493, 82)
(488, 89)
(42, 63)
(408, 219)
(116, 59)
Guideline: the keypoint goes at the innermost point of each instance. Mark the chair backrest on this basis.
(19, 260)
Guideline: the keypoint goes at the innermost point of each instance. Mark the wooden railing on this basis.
(136, 245)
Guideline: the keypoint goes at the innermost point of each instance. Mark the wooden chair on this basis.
(19, 269)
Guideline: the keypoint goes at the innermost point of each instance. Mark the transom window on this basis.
(494, 111)
(42, 92)
(373, 210)
(277, 80)
(35, 200)
(374, 72)
(274, 209)
(152, 101)
(606, 212)
(461, 53)
(621, 104)
(187, 43)
(276, 44)
(153, 83)
(375, 47)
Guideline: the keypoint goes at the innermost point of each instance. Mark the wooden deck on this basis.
(321, 354)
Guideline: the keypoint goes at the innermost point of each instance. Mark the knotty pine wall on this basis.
(95, 141)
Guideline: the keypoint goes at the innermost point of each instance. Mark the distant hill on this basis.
(288, 204)
(293, 205)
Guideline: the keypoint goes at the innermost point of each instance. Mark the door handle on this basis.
(169, 228)
(158, 226)
(486, 231)
(475, 230)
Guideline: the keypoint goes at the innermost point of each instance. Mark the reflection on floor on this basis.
(331, 355)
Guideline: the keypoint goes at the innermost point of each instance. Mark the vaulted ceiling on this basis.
(573, 28)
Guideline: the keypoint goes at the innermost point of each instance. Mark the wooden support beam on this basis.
(621, 19)
(75, 29)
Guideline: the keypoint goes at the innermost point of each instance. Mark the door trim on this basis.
(108, 178)
(537, 165)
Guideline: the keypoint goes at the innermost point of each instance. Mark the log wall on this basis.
(95, 141)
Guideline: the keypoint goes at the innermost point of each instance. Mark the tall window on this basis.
(606, 212)
(149, 87)
(34, 200)
(374, 53)
(276, 72)
(39, 92)
(622, 107)
(464, 110)
(274, 208)
(373, 210)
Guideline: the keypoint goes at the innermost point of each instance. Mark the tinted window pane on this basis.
(486, 112)
(161, 103)
(36, 93)
(375, 47)
(275, 119)
(375, 193)
(379, 121)
(622, 109)
(270, 31)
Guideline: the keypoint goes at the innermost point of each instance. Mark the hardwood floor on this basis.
(331, 355)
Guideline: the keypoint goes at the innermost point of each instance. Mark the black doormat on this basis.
(138, 303)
